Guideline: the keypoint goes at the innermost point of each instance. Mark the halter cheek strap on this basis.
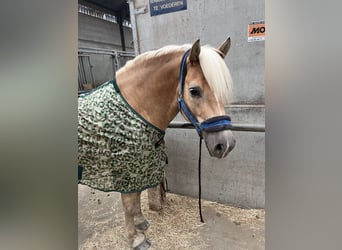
(181, 103)
(213, 124)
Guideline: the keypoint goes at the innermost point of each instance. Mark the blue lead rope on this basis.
(199, 180)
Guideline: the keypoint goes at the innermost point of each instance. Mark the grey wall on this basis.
(240, 178)
(97, 33)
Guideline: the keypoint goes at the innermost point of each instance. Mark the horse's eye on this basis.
(195, 92)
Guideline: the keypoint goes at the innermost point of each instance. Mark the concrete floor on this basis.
(101, 226)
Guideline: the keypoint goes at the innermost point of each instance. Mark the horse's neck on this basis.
(151, 87)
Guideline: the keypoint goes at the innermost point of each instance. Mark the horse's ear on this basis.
(224, 48)
(195, 51)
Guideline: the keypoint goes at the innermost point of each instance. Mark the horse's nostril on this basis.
(219, 147)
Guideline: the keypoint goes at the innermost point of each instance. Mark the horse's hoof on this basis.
(143, 245)
(143, 226)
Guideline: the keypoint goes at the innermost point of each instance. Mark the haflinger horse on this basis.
(123, 121)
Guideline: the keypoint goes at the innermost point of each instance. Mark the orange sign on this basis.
(256, 31)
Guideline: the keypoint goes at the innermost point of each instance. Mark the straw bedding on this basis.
(178, 226)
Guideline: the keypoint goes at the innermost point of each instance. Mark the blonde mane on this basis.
(214, 68)
(216, 73)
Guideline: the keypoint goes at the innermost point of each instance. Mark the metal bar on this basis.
(134, 27)
(105, 52)
(122, 34)
(235, 127)
(83, 72)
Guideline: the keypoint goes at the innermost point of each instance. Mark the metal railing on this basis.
(85, 68)
(85, 74)
(119, 57)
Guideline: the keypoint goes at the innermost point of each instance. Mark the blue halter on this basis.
(213, 124)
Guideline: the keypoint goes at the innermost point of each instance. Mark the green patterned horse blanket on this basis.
(118, 150)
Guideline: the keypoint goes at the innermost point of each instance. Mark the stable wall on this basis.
(238, 179)
(98, 33)
(95, 33)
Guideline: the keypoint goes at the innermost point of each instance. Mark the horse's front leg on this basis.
(135, 222)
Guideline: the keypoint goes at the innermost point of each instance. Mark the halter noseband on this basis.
(213, 124)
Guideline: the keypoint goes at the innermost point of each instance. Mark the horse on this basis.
(122, 123)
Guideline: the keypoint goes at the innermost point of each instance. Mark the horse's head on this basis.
(207, 87)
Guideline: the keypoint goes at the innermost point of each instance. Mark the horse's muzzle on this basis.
(219, 143)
